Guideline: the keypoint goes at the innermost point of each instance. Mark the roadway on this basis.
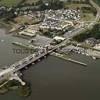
(32, 58)
(77, 31)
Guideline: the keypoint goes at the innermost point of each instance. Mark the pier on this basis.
(23, 45)
(68, 59)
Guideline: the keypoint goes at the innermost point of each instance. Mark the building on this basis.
(59, 38)
(30, 31)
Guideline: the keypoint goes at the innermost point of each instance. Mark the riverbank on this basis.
(11, 85)
(5, 25)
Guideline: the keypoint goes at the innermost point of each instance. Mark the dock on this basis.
(23, 45)
(68, 59)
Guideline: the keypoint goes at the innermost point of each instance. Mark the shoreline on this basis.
(5, 26)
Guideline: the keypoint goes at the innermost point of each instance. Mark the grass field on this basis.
(23, 20)
(87, 17)
(74, 6)
(31, 1)
(10, 3)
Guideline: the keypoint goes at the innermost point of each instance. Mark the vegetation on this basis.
(55, 4)
(51, 33)
(15, 85)
(97, 1)
(10, 3)
(8, 85)
(34, 2)
(89, 10)
(78, 1)
(95, 32)
(24, 91)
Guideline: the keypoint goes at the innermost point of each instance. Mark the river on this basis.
(53, 78)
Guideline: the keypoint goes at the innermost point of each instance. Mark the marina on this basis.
(59, 72)
(39, 56)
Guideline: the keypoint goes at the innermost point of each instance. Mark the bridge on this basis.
(7, 73)
(25, 62)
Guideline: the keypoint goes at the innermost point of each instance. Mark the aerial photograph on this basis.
(49, 49)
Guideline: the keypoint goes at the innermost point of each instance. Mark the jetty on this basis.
(68, 59)
(23, 45)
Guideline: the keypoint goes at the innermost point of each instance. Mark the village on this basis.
(54, 32)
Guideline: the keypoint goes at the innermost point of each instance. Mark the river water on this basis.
(53, 78)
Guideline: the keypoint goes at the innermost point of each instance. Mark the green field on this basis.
(97, 1)
(31, 1)
(9, 3)
(74, 6)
